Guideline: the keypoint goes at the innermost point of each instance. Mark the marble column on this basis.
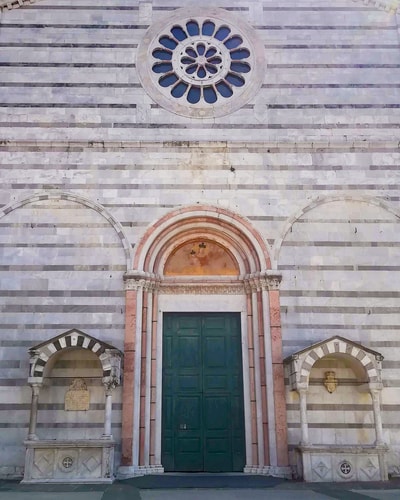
(303, 416)
(274, 280)
(34, 411)
(107, 413)
(376, 405)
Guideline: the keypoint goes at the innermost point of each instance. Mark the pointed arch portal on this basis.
(203, 259)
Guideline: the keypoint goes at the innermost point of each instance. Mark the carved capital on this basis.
(113, 378)
(110, 383)
(252, 283)
(34, 356)
(140, 280)
(273, 279)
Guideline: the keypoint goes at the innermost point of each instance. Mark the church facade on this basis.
(199, 239)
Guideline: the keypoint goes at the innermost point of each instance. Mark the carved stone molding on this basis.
(202, 289)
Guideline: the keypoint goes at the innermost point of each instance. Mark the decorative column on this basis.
(302, 391)
(34, 411)
(254, 285)
(251, 437)
(274, 279)
(269, 389)
(375, 390)
(107, 413)
(110, 382)
(137, 284)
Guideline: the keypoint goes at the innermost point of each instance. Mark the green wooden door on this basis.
(203, 419)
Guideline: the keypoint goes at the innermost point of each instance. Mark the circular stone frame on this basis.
(241, 95)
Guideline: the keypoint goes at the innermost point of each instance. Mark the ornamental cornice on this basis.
(202, 289)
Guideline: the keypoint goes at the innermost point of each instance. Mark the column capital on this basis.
(273, 279)
(265, 280)
(252, 283)
(140, 280)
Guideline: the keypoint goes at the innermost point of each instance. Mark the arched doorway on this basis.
(203, 262)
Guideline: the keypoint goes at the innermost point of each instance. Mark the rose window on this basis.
(201, 61)
(201, 66)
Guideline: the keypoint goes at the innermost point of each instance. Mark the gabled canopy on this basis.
(301, 362)
(109, 356)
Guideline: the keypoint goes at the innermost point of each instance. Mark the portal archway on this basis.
(230, 271)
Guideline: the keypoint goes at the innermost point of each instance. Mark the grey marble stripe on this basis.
(327, 220)
(69, 106)
(52, 326)
(338, 46)
(209, 167)
(342, 309)
(155, 106)
(59, 245)
(384, 343)
(108, 26)
(68, 65)
(55, 308)
(8, 363)
(201, 126)
(192, 187)
(82, 7)
(336, 425)
(52, 406)
(52, 224)
(68, 45)
(58, 425)
(323, 27)
(339, 407)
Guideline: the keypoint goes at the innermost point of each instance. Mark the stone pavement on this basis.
(202, 487)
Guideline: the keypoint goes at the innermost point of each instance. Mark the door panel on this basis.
(203, 420)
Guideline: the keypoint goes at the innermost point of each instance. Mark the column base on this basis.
(269, 470)
(128, 471)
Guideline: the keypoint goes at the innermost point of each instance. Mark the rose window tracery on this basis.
(201, 61)
(201, 66)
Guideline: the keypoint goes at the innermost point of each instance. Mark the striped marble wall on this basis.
(74, 119)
